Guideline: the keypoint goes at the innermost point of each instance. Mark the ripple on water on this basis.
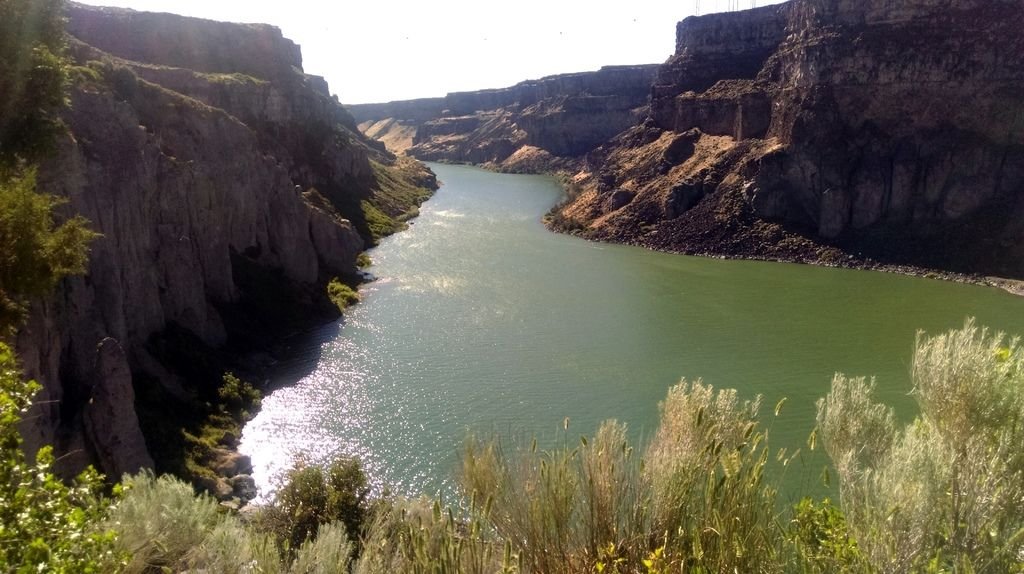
(491, 324)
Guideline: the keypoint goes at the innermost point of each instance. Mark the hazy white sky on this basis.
(373, 51)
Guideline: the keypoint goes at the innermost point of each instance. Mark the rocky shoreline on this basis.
(809, 256)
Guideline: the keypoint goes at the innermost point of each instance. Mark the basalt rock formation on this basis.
(228, 187)
(527, 127)
(836, 131)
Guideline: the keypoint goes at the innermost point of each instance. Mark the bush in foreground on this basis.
(45, 525)
(945, 492)
(315, 496)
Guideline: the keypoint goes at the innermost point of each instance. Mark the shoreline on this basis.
(1011, 286)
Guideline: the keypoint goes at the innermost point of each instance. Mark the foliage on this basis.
(823, 539)
(363, 260)
(45, 525)
(417, 535)
(314, 496)
(329, 553)
(238, 397)
(32, 78)
(341, 294)
(35, 252)
(396, 192)
(945, 492)
(164, 525)
(219, 426)
(697, 501)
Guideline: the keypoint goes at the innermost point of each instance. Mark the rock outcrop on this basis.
(834, 131)
(228, 187)
(531, 126)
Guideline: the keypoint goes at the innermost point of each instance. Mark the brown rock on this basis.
(885, 129)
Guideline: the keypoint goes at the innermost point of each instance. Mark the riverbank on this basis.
(760, 241)
(802, 253)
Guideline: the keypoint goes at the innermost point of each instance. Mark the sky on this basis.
(381, 50)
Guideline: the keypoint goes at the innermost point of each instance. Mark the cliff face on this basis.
(227, 186)
(824, 130)
(529, 126)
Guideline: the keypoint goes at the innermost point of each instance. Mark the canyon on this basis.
(228, 187)
(536, 125)
(863, 134)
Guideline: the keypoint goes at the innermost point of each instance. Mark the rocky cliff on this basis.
(228, 187)
(835, 131)
(527, 127)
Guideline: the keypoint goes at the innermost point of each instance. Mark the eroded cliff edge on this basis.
(228, 187)
(830, 131)
(536, 125)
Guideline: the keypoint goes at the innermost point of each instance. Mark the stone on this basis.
(229, 462)
(618, 199)
(788, 131)
(109, 416)
(565, 116)
(244, 487)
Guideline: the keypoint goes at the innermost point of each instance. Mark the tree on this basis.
(314, 496)
(35, 252)
(32, 78)
(45, 525)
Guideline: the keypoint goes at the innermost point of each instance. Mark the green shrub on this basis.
(945, 492)
(363, 260)
(341, 295)
(329, 553)
(165, 526)
(32, 78)
(35, 252)
(237, 397)
(417, 535)
(823, 540)
(45, 525)
(314, 496)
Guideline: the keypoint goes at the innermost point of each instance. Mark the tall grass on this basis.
(695, 501)
(418, 536)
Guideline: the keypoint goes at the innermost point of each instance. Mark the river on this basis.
(481, 320)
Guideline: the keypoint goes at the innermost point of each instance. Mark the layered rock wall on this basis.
(207, 184)
(831, 130)
(524, 127)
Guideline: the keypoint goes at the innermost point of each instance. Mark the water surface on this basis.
(481, 320)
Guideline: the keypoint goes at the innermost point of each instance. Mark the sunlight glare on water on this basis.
(481, 320)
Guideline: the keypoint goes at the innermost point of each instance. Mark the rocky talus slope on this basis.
(834, 131)
(228, 187)
(535, 125)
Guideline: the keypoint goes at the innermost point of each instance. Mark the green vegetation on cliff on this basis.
(36, 251)
(396, 196)
(341, 294)
(32, 78)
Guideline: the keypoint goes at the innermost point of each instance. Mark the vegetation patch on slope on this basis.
(398, 191)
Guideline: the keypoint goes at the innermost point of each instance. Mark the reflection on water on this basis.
(482, 321)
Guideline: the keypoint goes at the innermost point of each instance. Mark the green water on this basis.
(481, 320)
